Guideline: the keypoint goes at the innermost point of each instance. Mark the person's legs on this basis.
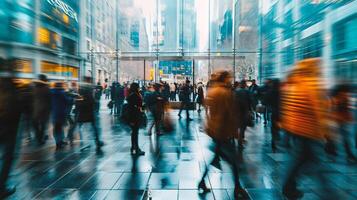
(135, 150)
(187, 107)
(304, 153)
(182, 104)
(274, 134)
(228, 152)
(37, 129)
(58, 134)
(7, 160)
(344, 132)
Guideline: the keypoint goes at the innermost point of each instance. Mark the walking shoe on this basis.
(202, 188)
(137, 152)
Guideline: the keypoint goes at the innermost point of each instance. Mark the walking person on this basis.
(59, 113)
(253, 89)
(10, 113)
(87, 114)
(184, 96)
(243, 106)
(221, 127)
(98, 91)
(41, 99)
(273, 102)
(200, 96)
(343, 116)
(155, 103)
(135, 106)
(302, 116)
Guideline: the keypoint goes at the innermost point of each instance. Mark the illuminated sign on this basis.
(64, 8)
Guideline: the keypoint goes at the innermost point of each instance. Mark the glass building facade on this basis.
(130, 40)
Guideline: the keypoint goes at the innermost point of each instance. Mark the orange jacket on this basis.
(302, 105)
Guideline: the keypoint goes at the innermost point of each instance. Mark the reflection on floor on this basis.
(170, 169)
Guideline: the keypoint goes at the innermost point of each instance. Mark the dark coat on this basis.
(59, 104)
(41, 100)
(243, 103)
(10, 110)
(135, 103)
(85, 108)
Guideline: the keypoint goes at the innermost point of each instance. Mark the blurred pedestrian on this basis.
(135, 106)
(302, 116)
(184, 96)
(10, 112)
(98, 91)
(155, 103)
(253, 89)
(243, 107)
(221, 127)
(343, 116)
(86, 112)
(272, 100)
(200, 96)
(41, 99)
(59, 113)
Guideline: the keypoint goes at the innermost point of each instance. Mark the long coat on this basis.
(221, 120)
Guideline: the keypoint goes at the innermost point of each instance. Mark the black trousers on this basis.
(227, 151)
(40, 126)
(306, 154)
(135, 136)
(7, 147)
(185, 105)
(58, 133)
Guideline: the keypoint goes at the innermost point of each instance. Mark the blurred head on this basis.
(134, 87)
(42, 77)
(253, 82)
(243, 84)
(157, 86)
(58, 85)
(224, 77)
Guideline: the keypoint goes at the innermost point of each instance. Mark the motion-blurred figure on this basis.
(273, 102)
(155, 104)
(221, 127)
(253, 89)
(98, 91)
(135, 104)
(302, 116)
(243, 105)
(59, 113)
(200, 96)
(86, 108)
(184, 96)
(41, 99)
(343, 116)
(10, 112)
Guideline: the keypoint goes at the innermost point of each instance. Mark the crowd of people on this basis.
(299, 106)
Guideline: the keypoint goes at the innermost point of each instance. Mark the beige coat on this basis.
(221, 121)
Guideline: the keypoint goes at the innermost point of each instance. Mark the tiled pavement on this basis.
(170, 169)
